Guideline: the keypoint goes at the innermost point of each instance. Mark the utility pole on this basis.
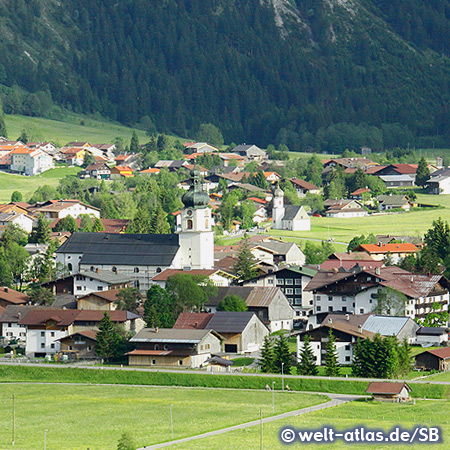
(273, 396)
(171, 419)
(260, 430)
(282, 376)
(13, 419)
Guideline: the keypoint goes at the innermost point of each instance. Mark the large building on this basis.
(142, 256)
(289, 217)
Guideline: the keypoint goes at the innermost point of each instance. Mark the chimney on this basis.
(360, 329)
(377, 271)
(330, 320)
(156, 329)
(195, 324)
(347, 317)
(19, 316)
(6, 289)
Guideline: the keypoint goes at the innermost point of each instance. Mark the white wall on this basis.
(43, 341)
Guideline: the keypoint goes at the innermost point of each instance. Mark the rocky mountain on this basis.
(261, 70)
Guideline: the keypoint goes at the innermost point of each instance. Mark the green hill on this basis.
(269, 71)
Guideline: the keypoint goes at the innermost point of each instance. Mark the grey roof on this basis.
(392, 200)
(6, 216)
(280, 248)
(107, 277)
(229, 321)
(385, 325)
(248, 150)
(431, 331)
(222, 292)
(170, 335)
(123, 249)
(406, 178)
(292, 211)
(219, 361)
(11, 312)
(67, 301)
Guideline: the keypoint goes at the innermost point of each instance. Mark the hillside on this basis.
(269, 71)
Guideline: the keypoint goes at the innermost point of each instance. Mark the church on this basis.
(289, 217)
(142, 256)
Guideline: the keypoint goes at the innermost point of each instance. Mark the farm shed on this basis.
(389, 392)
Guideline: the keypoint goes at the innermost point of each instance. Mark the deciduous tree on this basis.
(232, 303)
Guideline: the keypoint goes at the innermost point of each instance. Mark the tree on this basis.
(207, 132)
(126, 442)
(3, 131)
(260, 180)
(158, 222)
(67, 223)
(390, 302)
(41, 296)
(423, 173)
(282, 361)
(232, 303)
(331, 359)
(307, 363)
(17, 258)
(134, 143)
(41, 234)
(86, 223)
(98, 226)
(438, 237)
(267, 356)
(437, 318)
(159, 308)
(405, 360)
(14, 233)
(88, 159)
(128, 299)
(108, 339)
(245, 266)
(16, 196)
(317, 254)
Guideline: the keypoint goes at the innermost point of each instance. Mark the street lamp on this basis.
(45, 439)
(171, 419)
(282, 376)
(273, 396)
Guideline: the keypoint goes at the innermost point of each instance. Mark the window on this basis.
(9, 325)
(42, 333)
(70, 347)
(180, 362)
(52, 334)
(330, 298)
(201, 347)
(318, 298)
(99, 288)
(344, 298)
(69, 266)
(42, 345)
(270, 281)
(89, 348)
(298, 291)
(344, 309)
(289, 291)
(137, 284)
(136, 270)
(153, 362)
(190, 224)
(78, 288)
(289, 282)
(52, 345)
(92, 269)
(158, 270)
(298, 281)
(361, 310)
(347, 347)
(280, 282)
(347, 358)
(330, 308)
(319, 309)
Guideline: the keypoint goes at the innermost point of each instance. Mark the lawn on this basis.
(27, 185)
(374, 415)
(83, 416)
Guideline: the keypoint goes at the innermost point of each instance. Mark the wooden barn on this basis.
(438, 359)
(389, 392)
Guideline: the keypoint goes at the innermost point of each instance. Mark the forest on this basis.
(260, 72)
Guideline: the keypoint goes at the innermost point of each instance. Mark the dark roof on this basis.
(123, 249)
(110, 295)
(229, 321)
(431, 331)
(290, 211)
(441, 353)
(386, 388)
(217, 360)
(304, 184)
(13, 313)
(90, 334)
(222, 292)
(193, 321)
(12, 296)
(62, 317)
(67, 301)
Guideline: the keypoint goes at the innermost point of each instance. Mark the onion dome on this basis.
(195, 198)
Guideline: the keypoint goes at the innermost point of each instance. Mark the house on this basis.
(398, 169)
(398, 251)
(250, 152)
(289, 217)
(10, 328)
(243, 332)
(388, 202)
(173, 347)
(389, 391)
(226, 158)
(172, 166)
(24, 221)
(393, 239)
(395, 181)
(437, 359)
(217, 277)
(344, 208)
(86, 320)
(121, 171)
(270, 305)
(73, 156)
(99, 171)
(30, 162)
(101, 300)
(292, 281)
(131, 160)
(58, 209)
(199, 147)
(142, 256)
(358, 194)
(150, 171)
(303, 187)
(432, 336)
(9, 296)
(439, 182)
(348, 260)
(218, 364)
(81, 344)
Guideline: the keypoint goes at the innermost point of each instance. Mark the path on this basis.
(336, 399)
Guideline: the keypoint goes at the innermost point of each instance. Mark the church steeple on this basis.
(195, 198)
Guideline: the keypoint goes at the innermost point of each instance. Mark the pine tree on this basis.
(423, 173)
(98, 226)
(404, 358)
(134, 143)
(41, 234)
(158, 222)
(245, 267)
(108, 338)
(307, 364)
(282, 356)
(331, 359)
(267, 357)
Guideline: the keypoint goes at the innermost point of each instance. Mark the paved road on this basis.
(336, 399)
(190, 371)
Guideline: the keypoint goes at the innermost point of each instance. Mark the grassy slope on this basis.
(27, 185)
(78, 417)
(374, 415)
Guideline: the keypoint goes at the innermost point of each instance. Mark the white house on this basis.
(24, 221)
(58, 209)
(30, 162)
(303, 187)
(289, 217)
(439, 182)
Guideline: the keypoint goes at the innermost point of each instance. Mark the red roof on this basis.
(193, 321)
(360, 191)
(389, 248)
(405, 169)
(12, 296)
(386, 388)
(304, 184)
(442, 353)
(330, 264)
(258, 200)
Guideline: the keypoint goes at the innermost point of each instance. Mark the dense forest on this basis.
(268, 71)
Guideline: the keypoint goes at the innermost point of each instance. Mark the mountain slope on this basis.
(250, 67)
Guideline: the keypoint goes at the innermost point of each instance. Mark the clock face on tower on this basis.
(189, 212)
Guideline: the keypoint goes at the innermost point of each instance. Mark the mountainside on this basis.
(250, 67)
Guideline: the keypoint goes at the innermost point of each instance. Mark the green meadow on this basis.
(78, 417)
(374, 415)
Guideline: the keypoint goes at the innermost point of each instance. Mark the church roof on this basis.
(123, 249)
(294, 212)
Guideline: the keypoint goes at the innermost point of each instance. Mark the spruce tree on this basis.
(307, 363)
(245, 267)
(423, 173)
(331, 359)
(158, 222)
(358, 359)
(41, 234)
(282, 355)
(98, 225)
(134, 144)
(267, 357)
(404, 358)
(108, 338)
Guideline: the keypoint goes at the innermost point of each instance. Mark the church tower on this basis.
(196, 238)
(278, 210)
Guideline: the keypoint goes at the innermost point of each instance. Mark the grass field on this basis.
(27, 185)
(374, 415)
(80, 417)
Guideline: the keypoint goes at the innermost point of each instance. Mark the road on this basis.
(335, 400)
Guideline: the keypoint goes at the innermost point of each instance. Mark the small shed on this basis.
(218, 364)
(432, 335)
(389, 392)
(438, 359)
